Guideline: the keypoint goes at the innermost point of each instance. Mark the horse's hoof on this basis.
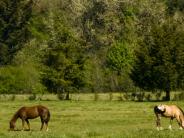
(170, 127)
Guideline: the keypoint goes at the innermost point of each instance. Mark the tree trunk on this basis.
(167, 97)
(67, 96)
(167, 90)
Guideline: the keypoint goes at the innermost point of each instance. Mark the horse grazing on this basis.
(26, 113)
(169, 111)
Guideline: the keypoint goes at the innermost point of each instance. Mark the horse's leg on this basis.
(170, 126)
(182, 121)
(23, 123)
(28, 124)
(179, 122)
(182, 124)
(46, 124)
(42, 126)
(42, 121)
(158, 122)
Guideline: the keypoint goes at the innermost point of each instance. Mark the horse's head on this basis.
(161, 108)
(12, 125)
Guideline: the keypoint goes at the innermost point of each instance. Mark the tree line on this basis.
(91, 46)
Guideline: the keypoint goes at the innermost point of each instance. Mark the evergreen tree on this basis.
(14, 17)
(63, 59)
(160, 59)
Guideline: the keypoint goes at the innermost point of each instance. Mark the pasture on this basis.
(90, 119)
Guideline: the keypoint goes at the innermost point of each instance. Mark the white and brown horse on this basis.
(169, 111)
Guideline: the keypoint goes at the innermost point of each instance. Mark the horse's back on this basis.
(34, 111)
(173, 111)
(173, 108)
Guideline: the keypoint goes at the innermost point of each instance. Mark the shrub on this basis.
(32, 97)
(148, 97)
(179, 97)
(140, 96)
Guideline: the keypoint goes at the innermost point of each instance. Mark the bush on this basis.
(20, 80)
(128, 96)
(179, 97)
(140, 96)
(32, 97)
(148, 97)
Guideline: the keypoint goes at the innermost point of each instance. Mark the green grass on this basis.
(90, 119)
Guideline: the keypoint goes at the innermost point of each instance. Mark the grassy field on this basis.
(91, 119)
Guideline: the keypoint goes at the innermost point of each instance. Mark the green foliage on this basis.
(120, 57)
(32, 97)
(19, 80)
(14, 18)
(89, 46)
(38, 27)
(179, 96)
(64, 62)
(175, 5)
(31, 55)
(149, 13)
(160, 59)
(105, 22)
(24, 75)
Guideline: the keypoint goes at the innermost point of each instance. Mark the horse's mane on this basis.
(15, 116)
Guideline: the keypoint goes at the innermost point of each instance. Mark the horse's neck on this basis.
(15, 117)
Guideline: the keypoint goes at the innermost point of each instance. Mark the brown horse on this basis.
(26, 113)
(169, 111)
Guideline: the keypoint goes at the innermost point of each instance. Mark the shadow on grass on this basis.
(17, 130)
